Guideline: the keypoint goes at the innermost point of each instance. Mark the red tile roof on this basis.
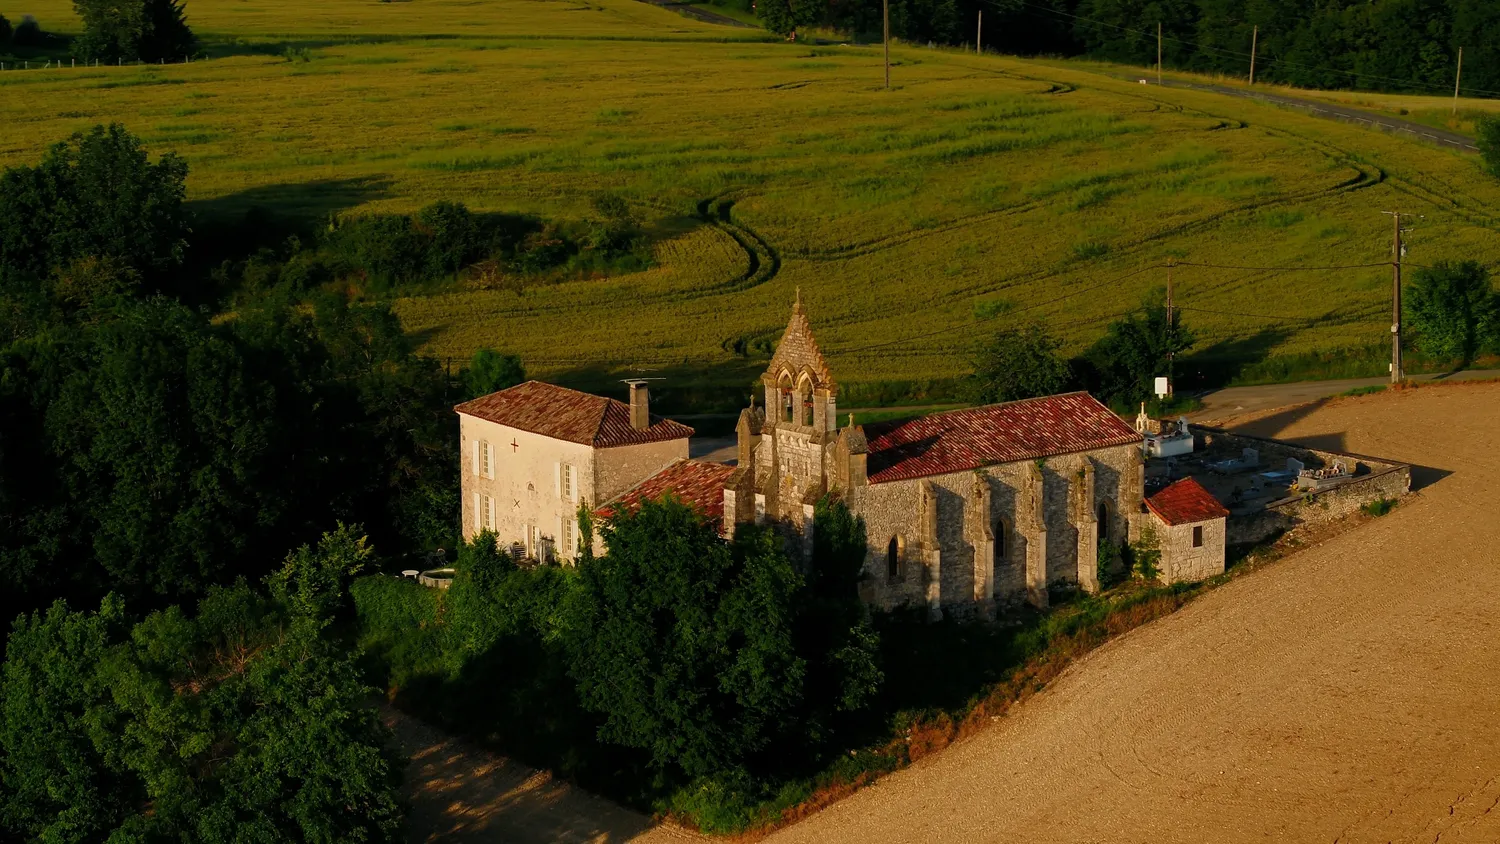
(1186, 502)
(695, 483)
(999, 433)
(565, 414)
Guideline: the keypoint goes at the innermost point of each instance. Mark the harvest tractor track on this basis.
(764, 262)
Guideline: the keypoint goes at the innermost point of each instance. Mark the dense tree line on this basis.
(1397, 45)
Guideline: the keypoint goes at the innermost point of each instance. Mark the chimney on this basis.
(640, 405)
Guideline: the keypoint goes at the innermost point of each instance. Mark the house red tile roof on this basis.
(565, 414)
(1186, 502)
(999, 433)
(698, 484)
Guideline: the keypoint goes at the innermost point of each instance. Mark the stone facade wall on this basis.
(528, 501)
(1180, 561)
(527, 490)
(982, 560)
(1332, 503)
(621, 468)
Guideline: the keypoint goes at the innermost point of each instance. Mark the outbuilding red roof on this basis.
(698, 484)
(1186, 502)
(565, 414)
(960, 440)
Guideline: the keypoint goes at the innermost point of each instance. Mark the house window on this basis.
(893, 559)
(1198, 536)
(486, 467)
(566, 480)
(569, 544)
(489, 513)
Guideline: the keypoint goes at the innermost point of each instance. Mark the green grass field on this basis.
(978, 185)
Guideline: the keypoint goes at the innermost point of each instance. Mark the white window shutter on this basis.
(557, 481)
(476, 457)
(478, 517)
(561, 548)
(491, 503)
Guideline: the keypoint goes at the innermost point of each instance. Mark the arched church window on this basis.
(1104, 520)
(804, 401)
(893, 559)
(788, 401)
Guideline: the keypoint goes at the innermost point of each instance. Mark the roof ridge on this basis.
(599, 423)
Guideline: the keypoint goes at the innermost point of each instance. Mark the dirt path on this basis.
(461, 793)
(1349, 693)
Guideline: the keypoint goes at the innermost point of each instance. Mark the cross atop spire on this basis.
(797, 305)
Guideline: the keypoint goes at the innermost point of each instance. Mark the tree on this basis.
(148, 30)
(834, 633)
(243, 721)
(453, 237)
(94, 196)
(5, 29)
(148, 450)
(56, 782)
(683, 642)
(1135, 350)
(491, 371)
(1016, 363)
(785, 17)
(1455, 311)
(1489, 144)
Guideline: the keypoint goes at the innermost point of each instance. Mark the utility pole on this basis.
(1396, 372)
(1158, 52)
(1171, 354)
(886, 15)
(1458, 79)
(1254, 42)
(979, 35)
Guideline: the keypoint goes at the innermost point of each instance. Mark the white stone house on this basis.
(1190, 526)
(535, 453)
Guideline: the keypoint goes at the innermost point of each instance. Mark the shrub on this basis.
(1489, 144)
(1145, 555)
(1455, 311)
(1378, 507)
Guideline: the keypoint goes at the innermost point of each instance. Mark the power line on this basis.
(1283, 269)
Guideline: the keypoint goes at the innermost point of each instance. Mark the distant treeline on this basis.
(1393, 45)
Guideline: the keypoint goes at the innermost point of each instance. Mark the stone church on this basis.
(965, 510)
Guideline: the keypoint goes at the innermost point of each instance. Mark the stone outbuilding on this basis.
(1190, 527)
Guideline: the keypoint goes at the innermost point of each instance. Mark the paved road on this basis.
(697, 12)
(1350, 693)
(1345, 114)
(1233, 401)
